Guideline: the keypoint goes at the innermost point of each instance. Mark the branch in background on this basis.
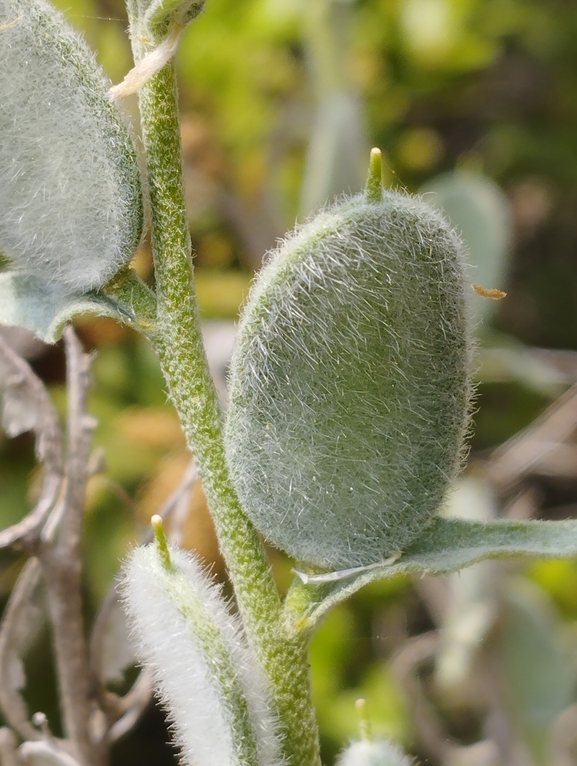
(27, 407)
(8, 744)
(53, 529)
(135, 703)
(19, 624)
(429, 728)
(61, 563)
(45, 752)
(534, 447)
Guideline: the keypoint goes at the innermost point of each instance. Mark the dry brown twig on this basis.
(538, 447)
(53, 532)
(93, 717)
(18, 627)
(8, 744)
(27, 407)
(61, 561)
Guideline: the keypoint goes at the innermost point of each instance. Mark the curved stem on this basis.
(178, 342)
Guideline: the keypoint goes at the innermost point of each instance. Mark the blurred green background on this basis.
(281, 101)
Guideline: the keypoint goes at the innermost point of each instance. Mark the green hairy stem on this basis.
(178, 343)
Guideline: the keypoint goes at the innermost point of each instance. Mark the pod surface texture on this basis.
(349, 383)
(71, 208)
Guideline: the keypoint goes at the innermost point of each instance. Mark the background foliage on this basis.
(272, 93)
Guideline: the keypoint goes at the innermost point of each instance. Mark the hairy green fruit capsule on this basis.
(349, 384)
(70, 195)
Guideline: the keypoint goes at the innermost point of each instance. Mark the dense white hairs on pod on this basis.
(349, 383)
(208, 678)
(377, 753)
(70, 193)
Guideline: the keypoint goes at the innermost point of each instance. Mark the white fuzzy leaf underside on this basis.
(27, 301)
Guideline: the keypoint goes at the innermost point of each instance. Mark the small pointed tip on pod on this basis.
(349, 383)
(161, 541)
(374, 189)
(70, 188)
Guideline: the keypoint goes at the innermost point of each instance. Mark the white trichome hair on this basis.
(71, 208)
(206, 674)
(377, 753)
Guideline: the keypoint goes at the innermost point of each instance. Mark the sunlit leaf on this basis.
(27, 301)
(446, 546)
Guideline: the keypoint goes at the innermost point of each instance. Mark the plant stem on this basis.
(130, 290)
(178, 342)
(61, 561)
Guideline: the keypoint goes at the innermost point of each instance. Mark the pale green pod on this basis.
(204, 669)
(349, 383)
(71, 208)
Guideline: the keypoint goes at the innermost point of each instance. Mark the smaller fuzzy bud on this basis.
(208, 678)
(70, 191)
(350, 380)
(377, 753)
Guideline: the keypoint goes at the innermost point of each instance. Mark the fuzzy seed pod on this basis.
(70, 194)
(349, 384)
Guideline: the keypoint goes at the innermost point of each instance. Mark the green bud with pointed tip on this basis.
(71, 210)
(349, 383)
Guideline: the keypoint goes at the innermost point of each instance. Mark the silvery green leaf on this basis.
(338, 146)
(480, 212)
(43, 308)
(536, 671)
(336, 155)
(70, 187)
(447, 545)
(472, 604)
